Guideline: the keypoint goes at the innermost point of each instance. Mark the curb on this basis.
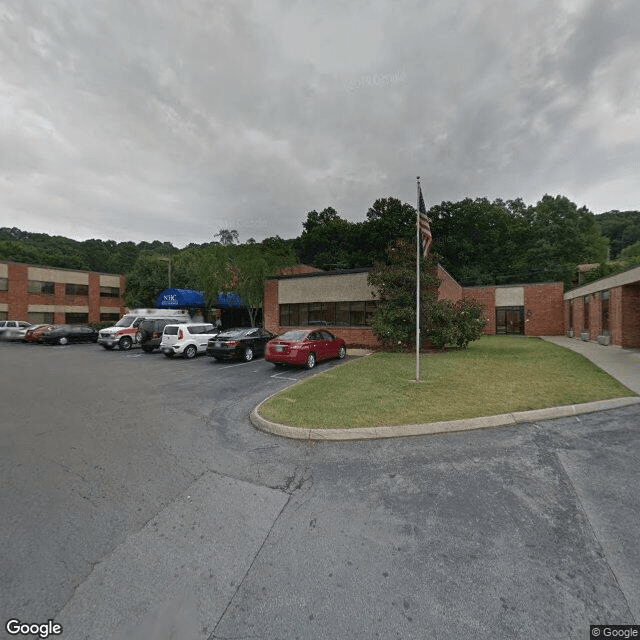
(468, 424)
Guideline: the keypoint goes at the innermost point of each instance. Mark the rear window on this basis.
(234, 333)
(293, 335)
(171, 330)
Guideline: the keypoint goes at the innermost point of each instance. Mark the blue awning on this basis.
(180, 299)
(226, 300)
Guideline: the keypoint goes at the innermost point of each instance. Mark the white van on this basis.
(187, 340)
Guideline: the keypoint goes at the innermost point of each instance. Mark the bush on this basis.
(455, 323)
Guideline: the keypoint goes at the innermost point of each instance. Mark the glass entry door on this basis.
(509, 321)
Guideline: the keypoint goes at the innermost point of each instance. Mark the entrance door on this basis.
(509, 321)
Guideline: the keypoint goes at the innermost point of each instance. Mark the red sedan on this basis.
(305, 347)
(36, 331)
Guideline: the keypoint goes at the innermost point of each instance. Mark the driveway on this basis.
(139, 502)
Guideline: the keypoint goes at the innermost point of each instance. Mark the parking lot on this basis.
(139, 502)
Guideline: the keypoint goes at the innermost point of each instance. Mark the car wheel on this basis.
(62, 340)
(147, 349)
(125, 343)
(342, 352)
(248, 354)
(311, 361)
(190, 352)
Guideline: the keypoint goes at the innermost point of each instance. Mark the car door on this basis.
(315, 344)
(202, 338)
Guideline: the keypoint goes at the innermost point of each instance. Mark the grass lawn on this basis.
(496, 374)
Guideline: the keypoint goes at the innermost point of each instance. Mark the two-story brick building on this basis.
(59, 296)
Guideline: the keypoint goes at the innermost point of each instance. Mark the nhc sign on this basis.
(180, 298)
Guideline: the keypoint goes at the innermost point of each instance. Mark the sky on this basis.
(135, 120)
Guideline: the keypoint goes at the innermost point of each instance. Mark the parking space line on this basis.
(240, 364)
(279, 376)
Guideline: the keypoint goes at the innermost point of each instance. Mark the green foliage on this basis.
(631, 252)
(622, 228)
(628, 260)
(483, 243)
(442, 322)
(454, 323)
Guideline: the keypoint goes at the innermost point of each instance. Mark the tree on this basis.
(227, 236)
(622, 228)
(442, 322)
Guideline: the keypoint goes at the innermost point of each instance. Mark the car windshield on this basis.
(125, 321)
(293, 335)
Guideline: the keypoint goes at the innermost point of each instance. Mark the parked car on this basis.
(66, 333)
(304, 347)
(239, 343)
(35, 331)
(13, 329)
(150, 331)
(187, 340)
(124, 333)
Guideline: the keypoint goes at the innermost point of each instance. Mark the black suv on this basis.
(151, 331)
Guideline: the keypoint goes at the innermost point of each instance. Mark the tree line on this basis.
(480, 242)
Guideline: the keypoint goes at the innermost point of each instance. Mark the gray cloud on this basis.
(137, 120)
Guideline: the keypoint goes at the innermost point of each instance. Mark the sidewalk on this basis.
(622, 364)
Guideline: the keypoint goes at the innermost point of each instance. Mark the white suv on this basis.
(187, 340)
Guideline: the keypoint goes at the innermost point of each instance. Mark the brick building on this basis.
(59, 296)
(607, 310)
(344, 302)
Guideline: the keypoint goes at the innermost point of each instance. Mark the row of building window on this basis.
(341, 314)
(47, 317)
(48, 289)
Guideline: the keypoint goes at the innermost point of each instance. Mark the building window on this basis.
(40, 317)
(76, 318)
(76, 289)
(4, 315)
(109, 292)
(341, 314)
(4, 284)
(108, 317)
(44, 288)
(604, 308)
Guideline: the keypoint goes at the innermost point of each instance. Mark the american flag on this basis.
(425, 227)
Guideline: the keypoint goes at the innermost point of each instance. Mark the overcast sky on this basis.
(171, 119)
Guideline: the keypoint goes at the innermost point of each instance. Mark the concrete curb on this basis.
(501, 420)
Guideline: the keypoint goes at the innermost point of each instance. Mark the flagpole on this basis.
(418, 284)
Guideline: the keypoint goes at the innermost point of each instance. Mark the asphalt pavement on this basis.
(139, 502)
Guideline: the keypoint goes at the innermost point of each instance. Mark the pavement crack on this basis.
(581, 508)
(213, 635)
